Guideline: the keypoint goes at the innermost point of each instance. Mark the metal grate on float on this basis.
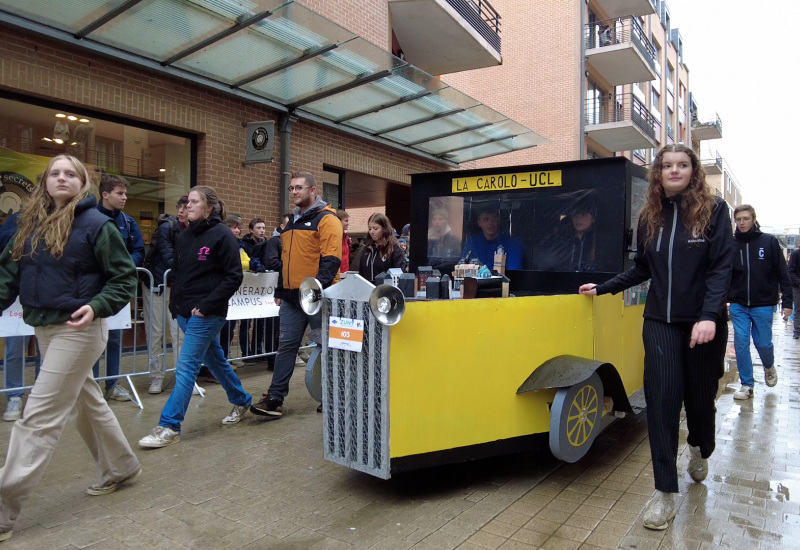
(355, 391)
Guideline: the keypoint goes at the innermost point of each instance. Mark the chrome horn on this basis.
(387, 304)
(310, 295)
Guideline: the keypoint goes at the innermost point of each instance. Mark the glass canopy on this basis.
(291, 56)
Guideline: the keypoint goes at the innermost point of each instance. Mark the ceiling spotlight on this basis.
(46, 139)
(61, 115)
(74, 143)
(71, 117)
(59, 141)
(84, 120)
(162, 169)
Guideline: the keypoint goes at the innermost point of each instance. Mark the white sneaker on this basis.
(771, 376)
(156, 385)
(118, 393)
(236, 414)
(161, 436)
(745, 392)
(698, 466)
(13, 410)
(660, 510)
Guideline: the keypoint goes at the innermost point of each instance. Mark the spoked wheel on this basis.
(575, 419)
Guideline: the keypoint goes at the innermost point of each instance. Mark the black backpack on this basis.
(151, 257)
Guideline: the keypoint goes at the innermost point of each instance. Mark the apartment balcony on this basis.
(447, 36)
(620, 123)
(620, 51)
(621, 8)
(707, 130)
(712, 166)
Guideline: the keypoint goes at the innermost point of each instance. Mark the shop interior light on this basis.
(84, 120)
(162, 169)
(61, 115)
(46, 139)
(59, 141)
(74, 143)
(72, 117)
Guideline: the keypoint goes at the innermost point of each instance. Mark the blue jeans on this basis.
(14, 363)
(293, 325)
(758, 321)
(200, 346)
(113, 356)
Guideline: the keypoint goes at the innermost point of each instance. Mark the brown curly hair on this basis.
(696, 202)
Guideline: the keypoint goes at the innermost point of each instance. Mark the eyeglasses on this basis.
(298, 188)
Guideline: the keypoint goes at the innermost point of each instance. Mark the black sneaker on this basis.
(268, 406)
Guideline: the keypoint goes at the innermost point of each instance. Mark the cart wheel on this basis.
(575, 419)
(314, 373)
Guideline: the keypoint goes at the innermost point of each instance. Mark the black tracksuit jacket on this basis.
(690, 273)
(208, 269)
(758, 271)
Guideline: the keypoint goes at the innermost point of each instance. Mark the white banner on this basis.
(11, 323)
(255, 298)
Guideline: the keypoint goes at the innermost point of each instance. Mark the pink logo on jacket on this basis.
(202, 254)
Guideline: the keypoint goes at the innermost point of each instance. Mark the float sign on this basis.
(347, 334)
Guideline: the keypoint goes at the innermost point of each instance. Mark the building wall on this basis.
(52, 71)
(539, 82)
(368, 19)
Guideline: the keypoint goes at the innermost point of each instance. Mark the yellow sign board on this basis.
(508, 182)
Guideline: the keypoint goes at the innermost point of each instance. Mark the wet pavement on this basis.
(264, 484)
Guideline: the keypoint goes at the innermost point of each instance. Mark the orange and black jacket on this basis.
(312, 247)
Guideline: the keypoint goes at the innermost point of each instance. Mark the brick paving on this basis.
(266, 485)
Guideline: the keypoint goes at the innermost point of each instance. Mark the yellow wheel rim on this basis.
(582, 417)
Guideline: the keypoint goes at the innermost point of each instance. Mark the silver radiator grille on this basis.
(355, 393)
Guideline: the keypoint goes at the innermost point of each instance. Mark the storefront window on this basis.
(157, 165)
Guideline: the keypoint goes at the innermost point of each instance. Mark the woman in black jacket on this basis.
(685, 246)
(383, 251)
(208, 272)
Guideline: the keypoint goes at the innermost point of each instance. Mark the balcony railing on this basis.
(621, 108)
(713, 165)
(670, 131)
(600, 34)
(482, 17)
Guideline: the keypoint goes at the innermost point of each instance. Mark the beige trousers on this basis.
(155, 331)
(64, 389)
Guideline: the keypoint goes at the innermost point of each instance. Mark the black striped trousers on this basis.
(675, 374)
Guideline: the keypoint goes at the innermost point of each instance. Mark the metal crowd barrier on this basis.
(165, 355)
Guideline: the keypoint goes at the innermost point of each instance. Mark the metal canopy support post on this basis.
(286, 123)
(360, 81)
(449, 134)
(113, 14)
(308, 55)
(217, 37)
(385, 106)
(423, 121)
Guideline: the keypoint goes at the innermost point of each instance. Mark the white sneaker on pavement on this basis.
(660, 510)
(698, 466)
(13, 410)
(156, 385)
(745, 392)
(118, 393)
(236, 414)
(161, 436)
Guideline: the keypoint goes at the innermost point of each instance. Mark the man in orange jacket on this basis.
(312, 247)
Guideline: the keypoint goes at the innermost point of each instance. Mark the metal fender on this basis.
(564, 371)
